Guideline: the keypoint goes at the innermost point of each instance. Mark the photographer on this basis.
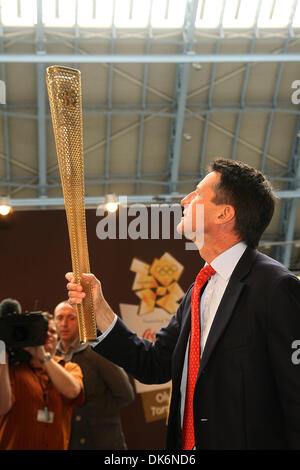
(37, 398)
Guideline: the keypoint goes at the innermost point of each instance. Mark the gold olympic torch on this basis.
(64, 90)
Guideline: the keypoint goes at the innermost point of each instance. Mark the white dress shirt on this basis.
(224, 266)
(210, 300)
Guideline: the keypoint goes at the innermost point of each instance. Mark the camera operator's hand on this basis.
(37, 352)
(104, 314)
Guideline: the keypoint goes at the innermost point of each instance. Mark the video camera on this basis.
(19, 330)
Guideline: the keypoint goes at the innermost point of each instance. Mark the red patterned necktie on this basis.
(188, 438)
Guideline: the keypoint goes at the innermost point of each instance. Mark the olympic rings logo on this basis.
(166, 270)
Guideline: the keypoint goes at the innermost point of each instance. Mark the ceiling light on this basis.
(111, 203)
(5, 206)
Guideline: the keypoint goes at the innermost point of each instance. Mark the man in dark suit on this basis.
(245, 393)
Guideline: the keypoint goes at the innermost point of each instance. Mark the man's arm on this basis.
(5, 389)
(63, 381)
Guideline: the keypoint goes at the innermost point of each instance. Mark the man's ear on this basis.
(226, 214)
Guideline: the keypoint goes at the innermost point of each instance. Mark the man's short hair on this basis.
(250, 193)
(63, 302)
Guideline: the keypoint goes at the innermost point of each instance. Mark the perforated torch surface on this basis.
(65, 98)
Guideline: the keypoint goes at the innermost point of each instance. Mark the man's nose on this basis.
(186, 200)
(183, 201)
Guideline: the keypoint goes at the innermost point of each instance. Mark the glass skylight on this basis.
(162, 14)
(131, 13)
(95, 14)
(59, 12)
(275, 14)
(168, 13)
(18, 12)
(240, 14)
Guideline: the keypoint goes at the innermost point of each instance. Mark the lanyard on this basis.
(44, 389)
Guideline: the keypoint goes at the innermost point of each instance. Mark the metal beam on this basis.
(41, 103)
(146, 111)
(286, 214)
(5, 120)
(290, 229)
(41, 123)
(177, 125)
(147, 59)
(288, 194)
(87, 35)
(245, 83)
(210, 92)
(209, 105)
(276, 89)
(110, 105)
(287, 254)
(143, 199)
(144, 99)
(50, 202)
(182, 84)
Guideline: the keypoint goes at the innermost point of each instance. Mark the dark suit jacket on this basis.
(96, 425)
(247, 394)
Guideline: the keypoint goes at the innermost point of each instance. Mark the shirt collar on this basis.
(76, 346)
(225, 263)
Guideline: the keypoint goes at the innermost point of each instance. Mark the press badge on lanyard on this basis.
(45, 416)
